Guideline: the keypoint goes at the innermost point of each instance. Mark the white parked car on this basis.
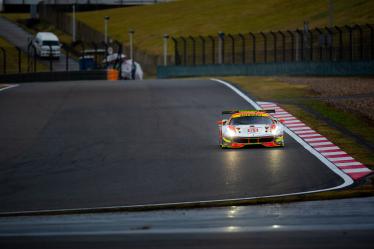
(45, 42)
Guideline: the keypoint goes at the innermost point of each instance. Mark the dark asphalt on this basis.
(94, 144)
(317, 224)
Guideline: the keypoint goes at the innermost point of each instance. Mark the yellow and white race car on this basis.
(250, 127)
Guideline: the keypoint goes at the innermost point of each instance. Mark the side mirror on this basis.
(220, 122)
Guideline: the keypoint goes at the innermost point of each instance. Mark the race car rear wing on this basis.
(237, 111)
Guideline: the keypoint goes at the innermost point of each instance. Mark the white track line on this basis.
(347, 180)
(7, 87)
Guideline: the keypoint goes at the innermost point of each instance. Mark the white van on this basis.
(44, 42)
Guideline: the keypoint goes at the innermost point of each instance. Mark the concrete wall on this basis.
(296, 69)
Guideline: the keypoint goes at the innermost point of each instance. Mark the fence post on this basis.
(95, 48)
(330, 41)
(361, 41)
(202, 49)
(213, 49)
(184, 50)
(301, 38)
(176, 52)
(275, 45)
(340, 42)
(221, 47)
(166, 38)
(106, 52)
(292, 45)
(50, 59)
(4, 59)
(265, 46)
(243, 47)
(253, 47)
(283, 45)
(311, 44)
(232, 47)
(350, 42)
(19, 60)
(119, 59)
(66, 57)
(371, 41)
(34, 57)
(193, 50)
(320, 33)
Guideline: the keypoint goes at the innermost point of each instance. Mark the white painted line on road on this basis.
(334, 153)
(7, 87)
(306, 131)
(318, 144)
(310, 135)
(300, 128)
(348, 164)
(295, 125)
(316, 139)
(327, 148)
(356, 170)
(333, 159)
(347, 180)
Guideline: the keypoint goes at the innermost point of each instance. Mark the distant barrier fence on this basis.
(85, 33)
(347, 43)
(78, 56)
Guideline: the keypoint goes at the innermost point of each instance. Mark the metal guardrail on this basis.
(347, 43)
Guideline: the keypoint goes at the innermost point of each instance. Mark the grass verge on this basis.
(208, 17)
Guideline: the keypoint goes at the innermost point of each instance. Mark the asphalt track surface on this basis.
(317, 224)
(93, 144)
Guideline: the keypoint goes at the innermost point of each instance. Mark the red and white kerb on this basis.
(321, 144)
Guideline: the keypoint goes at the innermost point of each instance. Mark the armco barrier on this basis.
(53, 76)
(358, 68)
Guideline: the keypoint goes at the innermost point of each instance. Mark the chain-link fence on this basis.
(78, 56)
(61, 20)
(348, 43)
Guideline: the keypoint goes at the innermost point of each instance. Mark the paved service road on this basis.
(20, 38)
(93, 144)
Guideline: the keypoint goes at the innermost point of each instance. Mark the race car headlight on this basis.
(230, 131)
(275, 130)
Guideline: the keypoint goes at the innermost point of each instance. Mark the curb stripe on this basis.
(334, 153)
(334, 159)
(330, 151)
(356, 170)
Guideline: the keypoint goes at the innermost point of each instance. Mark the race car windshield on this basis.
(246, 120)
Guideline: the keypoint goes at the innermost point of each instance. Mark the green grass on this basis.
(295, 96)
(204, 17)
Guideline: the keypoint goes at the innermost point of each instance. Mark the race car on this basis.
(250, 127)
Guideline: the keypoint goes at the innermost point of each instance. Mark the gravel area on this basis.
(334, 88)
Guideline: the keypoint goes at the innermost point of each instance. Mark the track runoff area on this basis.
(93, 145)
